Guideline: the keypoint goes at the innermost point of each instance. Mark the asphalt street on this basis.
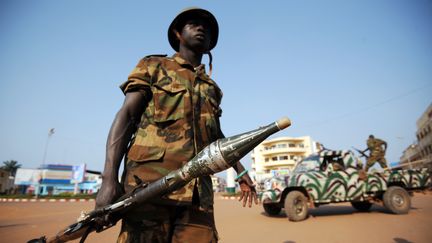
(21, 221)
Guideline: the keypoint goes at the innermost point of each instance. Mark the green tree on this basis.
(11, 166)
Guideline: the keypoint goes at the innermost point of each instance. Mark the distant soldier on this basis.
(377, 148)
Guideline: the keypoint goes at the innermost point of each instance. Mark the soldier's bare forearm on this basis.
(238, 167)
(122, 129)
(115, 149)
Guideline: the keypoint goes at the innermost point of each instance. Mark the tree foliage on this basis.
(11, 166)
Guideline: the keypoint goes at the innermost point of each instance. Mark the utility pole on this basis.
(50, 133)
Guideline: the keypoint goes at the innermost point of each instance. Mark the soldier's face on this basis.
(196, 35)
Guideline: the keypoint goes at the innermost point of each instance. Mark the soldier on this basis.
(377, 149)
(170, 112)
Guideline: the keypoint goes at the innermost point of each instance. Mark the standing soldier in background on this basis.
(377, 149)
(170, 113)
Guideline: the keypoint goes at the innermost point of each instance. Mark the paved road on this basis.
(20, 221)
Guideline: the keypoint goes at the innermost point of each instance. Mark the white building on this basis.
(419, 154)
(279, 155)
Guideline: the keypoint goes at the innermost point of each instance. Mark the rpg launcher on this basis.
(216, 157)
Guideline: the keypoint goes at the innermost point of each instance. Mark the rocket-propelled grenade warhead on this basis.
(224, 153)
(215, 157)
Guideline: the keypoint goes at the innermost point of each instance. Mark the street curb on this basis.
(45, 200)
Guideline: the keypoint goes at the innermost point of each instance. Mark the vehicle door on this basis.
(356, 183)
(336, 185)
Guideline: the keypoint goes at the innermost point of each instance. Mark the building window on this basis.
(274, 158)
(291, 145)
(266, 159)
(282, 145)
(284, 157)
(301, 145)
(292, 157)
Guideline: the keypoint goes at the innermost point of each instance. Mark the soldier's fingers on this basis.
(250, 199)
(241, 196)
(255, 197)
(245, 200)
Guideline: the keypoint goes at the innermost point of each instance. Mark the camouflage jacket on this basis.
(180, 119)
(375, 145)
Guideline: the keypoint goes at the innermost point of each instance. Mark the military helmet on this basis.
(187, 14)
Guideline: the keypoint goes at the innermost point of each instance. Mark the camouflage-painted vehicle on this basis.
(336, 176)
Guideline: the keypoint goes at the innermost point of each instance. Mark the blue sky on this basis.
(341, 70)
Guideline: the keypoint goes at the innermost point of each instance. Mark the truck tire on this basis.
(296, 207)
(397, 200)
(272, 209)
(362, 206)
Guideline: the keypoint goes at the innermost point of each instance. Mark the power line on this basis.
(367, 108)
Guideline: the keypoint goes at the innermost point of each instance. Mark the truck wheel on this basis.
(361, 206)
(397, 200)
(296, 207)
(272, 209)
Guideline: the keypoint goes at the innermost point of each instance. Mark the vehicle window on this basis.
(310, 163)
(336, 162)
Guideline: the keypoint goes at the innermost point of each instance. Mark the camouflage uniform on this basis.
(180, 119)
(377, 153)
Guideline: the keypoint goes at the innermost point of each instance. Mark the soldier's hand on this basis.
(248, 192)
(110, 191)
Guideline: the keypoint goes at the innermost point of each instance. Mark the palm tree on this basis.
(11, 166)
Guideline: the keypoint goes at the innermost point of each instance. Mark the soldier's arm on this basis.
(123, 127)
(365, 150)
(385, 145)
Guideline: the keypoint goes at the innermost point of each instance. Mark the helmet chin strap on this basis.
(210, 62)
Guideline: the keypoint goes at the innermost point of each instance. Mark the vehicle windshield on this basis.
(310, 163)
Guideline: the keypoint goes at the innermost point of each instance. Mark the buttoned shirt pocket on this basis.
(139, 153)
(169, 100)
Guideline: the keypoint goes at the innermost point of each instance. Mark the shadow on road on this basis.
(334, 210)
(281, 215)
(11, 225)
(342, 210)
(401, 240)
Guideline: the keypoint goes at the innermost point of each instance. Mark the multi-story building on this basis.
(53, 179)
(279, 155)
(419, 154)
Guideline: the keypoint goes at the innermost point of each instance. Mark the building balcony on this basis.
(279, 163)
(284, 150)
